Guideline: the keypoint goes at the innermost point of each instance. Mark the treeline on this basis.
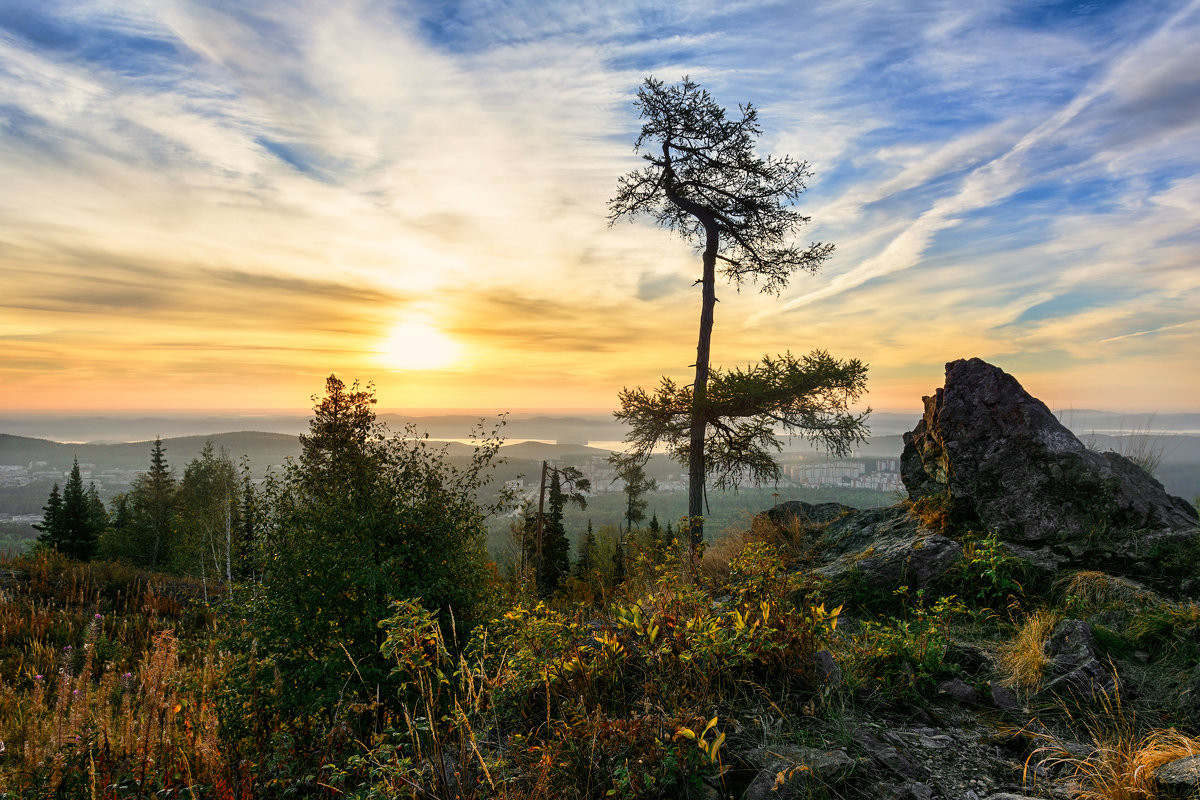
(201, 524)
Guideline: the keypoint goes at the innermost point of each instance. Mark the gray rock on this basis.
(1074, 667)
(920, 791)
(1003, 697)
(1000, 456)
(828, 672)
(888, 547)
(1179, 779)
(788, 771)
(960, 690)
(971, 659)
(792, 512)
(884, 754)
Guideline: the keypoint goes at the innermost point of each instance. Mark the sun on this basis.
(418, 346)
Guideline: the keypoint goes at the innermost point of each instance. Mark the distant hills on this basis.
(579, 428)
(124, 442)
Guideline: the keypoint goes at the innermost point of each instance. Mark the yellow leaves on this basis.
(822, 617)
(710, 748)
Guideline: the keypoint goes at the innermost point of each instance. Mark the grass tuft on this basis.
(1022, 658)
(1123, 758)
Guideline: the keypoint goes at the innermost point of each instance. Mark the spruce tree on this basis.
(97, 518)
(72, 521)
(588, 554)
(637, 485)
(154, 504)
(51, 525)
(556, 550)
(655, 530)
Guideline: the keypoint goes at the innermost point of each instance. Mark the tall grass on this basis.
(1123, 757)
(98, 697)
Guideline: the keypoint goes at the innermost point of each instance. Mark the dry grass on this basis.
(932, 512)
(714, 566)
(1122, 760)
(1097, 591)
(95, 692)
(1022, 658)
(798, 542)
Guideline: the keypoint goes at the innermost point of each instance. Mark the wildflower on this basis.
(37, 677)
(98, 616)
(125, 675)
(67, 649)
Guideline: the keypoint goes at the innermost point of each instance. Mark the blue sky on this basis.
(213, 205)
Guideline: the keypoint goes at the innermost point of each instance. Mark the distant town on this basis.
(798, 471)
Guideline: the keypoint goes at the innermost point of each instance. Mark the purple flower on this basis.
(37, 677)
(123, 675)
(67, 649)
(98, 616)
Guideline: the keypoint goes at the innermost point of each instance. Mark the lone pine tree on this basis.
(704, 181)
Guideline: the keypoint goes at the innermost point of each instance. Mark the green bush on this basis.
(988, 574)
(361, 519)
(903, 655)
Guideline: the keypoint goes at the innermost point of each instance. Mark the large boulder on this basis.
(999, 456)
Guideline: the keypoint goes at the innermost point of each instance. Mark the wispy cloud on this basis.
(253, 194)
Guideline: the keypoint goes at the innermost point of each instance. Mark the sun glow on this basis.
(418, 346)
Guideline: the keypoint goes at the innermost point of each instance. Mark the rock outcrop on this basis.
(1001, 458)
(1002, 463)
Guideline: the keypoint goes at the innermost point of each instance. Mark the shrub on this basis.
(903, 655)
(360, 519)
(989, 573)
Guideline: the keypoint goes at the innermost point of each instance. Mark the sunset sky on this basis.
(213, 205)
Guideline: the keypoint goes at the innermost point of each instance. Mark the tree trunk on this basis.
(696, 473)
(228, 540)
(537, 575)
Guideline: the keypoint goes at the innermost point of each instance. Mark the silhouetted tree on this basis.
(50, 526)
(589, 551)
(555, 547)
(571, 488)
(705, 182)
(637, 486)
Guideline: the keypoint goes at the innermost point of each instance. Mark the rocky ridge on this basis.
(990, 458)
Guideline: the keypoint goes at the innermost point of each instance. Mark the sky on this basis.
(214, 205)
